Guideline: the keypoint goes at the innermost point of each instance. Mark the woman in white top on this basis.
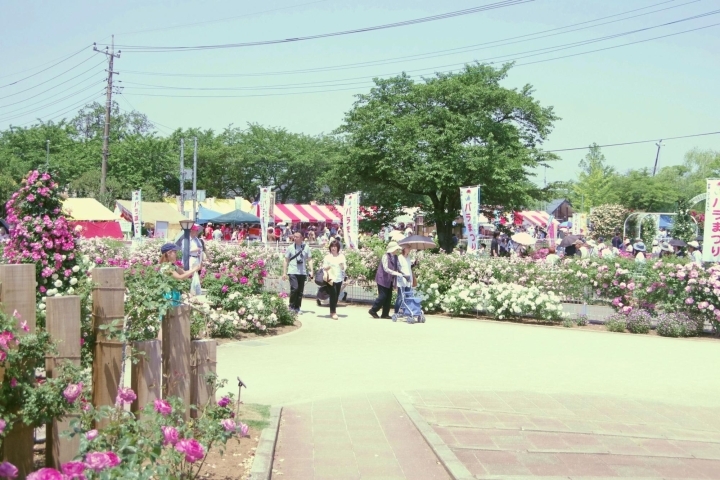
(334, 264)
(405, 280)
(552, 258)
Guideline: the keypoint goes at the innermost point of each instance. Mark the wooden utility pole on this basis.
(108, 107)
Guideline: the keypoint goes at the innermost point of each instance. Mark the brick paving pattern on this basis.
(515, 435)
(359, 437)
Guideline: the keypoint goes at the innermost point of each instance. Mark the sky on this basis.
(654, 89)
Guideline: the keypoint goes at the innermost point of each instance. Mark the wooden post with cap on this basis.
(176, 354)
(202, 364)
(108, 306)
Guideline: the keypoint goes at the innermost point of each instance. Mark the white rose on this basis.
(58, 283)
(73, 281)
(71, 291)
(55, 276)
(41, 306)
(76, 269)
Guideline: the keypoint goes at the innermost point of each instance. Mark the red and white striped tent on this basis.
(305, 213)
(537, 218)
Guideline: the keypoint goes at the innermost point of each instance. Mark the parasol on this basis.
(676, 242)
(396, 235)
(418, 242)
(569, 240)
(523, 238)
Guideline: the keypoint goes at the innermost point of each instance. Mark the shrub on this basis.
(605, 219)
(581, 320)
(568, 323)
(638, 321)
(616, 322)
(668, 325)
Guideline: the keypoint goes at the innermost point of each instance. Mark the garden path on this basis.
(501, 400)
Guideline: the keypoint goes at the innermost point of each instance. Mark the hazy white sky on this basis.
(651, 90)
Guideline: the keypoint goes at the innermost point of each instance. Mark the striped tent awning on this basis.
(305, 213)
(537, 218)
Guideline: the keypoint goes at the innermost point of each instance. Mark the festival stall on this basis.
(304, 213)
(537, 218)
(91, 218)
(158, 214)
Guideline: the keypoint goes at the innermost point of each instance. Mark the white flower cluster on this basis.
(502, 300)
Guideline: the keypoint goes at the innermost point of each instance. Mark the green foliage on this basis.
(595, 181)
(607, 218)
(616, 323)
(424, 140)
(648, 231)
(568, 323)
(683, 226)
(581, 320)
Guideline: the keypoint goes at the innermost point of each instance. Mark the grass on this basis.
(255, 415)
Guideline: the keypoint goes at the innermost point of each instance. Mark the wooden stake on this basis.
(204, 361)
(146, 375)
(108, 305)
(176, 354)
(17, 292)
(63, 325)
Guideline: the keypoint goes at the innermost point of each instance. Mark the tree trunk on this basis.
(444, 231)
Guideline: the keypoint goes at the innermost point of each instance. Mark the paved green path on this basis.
(358, 355)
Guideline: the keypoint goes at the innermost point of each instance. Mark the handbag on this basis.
(322, 277)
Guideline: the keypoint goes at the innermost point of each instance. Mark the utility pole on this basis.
(182, 176)
(47, 155)
(195, 182)
(657, 156)
(108, 104)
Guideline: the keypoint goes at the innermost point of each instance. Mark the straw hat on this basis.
(655, 243)
(694, 244)
(667, 247)
(393, 247)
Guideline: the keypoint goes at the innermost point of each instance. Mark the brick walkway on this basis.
(366, 437)
(515, 435)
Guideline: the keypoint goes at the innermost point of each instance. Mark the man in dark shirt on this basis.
(494, 245)
(617, 240)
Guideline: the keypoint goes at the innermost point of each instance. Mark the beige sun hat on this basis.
(694, 244)
(393, 247)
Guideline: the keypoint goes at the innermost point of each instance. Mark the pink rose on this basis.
(224, 289)
(45, 474)
(228, 424)
(191, 448)
(73, 391)
(100, 461)
(13, 382)
(689, 301)
(223, 402)
(243, 280)
(163, 407)
(3, 424)
(74, 470)
(125, 395)
(91, 435)
(8, 470)
(170, 435)
(244, 430)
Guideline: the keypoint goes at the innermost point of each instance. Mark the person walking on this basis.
(695, 254)
(197, 251)
(495, 245)
(385, 278)
(297, 258)
(334, 264)
(405, 280)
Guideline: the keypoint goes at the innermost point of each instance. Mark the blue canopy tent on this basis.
(206, 215)
(235, 217)
(666, 221)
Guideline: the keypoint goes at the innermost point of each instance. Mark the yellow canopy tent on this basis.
(155, 212)
(87, 209)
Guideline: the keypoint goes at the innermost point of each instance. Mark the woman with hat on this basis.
(639, 249)
(168, 263)
(385, 278)
(694, 250)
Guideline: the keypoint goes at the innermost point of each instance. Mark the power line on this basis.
(82, 103)
(154, 123)
(557, 48)
(443, 16)
(185, 25)
(52, 88)
(53, 78)
(13, 114)
(634, 142)
(41, 71)
(422, 56)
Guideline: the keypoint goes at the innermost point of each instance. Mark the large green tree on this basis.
(427, 139)
(595, 182)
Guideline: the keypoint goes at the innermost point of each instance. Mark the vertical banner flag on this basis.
(137, 212)
(575, 227)
(470, 206)
(265, 199)
(351, 220)
(711, 232)
(583, 224)
(551, 233)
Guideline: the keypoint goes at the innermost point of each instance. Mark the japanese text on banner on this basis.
(351, 222)
(137, 212)
(470, 206)
(711, 234)
(265, 196)
(551, 233)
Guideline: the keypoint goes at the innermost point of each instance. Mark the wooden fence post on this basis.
(63, 325)
(17, 292)
(203, 362)
(146, 374)
(108, 305)
(176, 354)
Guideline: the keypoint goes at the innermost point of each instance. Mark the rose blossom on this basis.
(244, 430)
(72, 392)
(224, 402)
(229, 425)
(170, 435)
(74, 470)
(45, 474)
(99, 461)
(191, 448)
(8, 470)
(125, 395)
(91, 435)
(3, 424)
(163, 407)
